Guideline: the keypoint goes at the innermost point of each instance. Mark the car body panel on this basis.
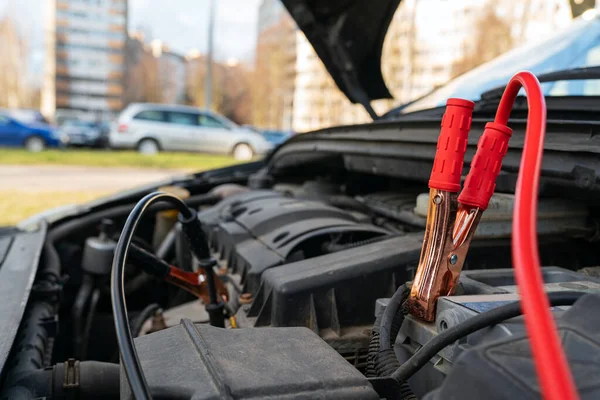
(276, 137)
(82, 133)
(353, 60)
(20, 254)
(14, 133)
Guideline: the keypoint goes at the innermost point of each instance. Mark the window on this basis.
(157, 116)
(209, 122)
(183, 118)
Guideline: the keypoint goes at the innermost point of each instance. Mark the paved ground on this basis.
(74, 178)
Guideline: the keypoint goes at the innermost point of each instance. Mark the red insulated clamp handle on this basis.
(451, 146)
(485, 167)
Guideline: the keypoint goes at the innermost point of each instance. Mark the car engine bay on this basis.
(307, 267)
(304, 262)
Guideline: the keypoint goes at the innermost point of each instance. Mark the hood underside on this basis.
(348, 36)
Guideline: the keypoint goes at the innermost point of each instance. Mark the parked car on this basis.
(151, 128)
(84, 133)
(34, 136)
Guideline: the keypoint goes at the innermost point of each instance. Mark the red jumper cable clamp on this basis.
(452, 220)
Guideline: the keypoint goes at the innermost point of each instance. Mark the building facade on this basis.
(171, 72)
(427, 44)
(275, 67)
(85, 58)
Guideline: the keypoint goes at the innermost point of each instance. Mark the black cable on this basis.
(373, 353)
(138, 322)
(130, 359)
(149, 263)
(73, 227)
(392, 308)
(459, 331)
(385, 361)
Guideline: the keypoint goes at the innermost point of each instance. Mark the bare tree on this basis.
(274, 75)
(14, 91)
(195, 83)
(142, 81)
(231, 94)
(236, 100)
(493, 37)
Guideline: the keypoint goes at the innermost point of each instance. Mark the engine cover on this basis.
(203, 362)
(252, 232)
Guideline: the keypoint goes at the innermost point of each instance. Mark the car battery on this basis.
(479, 291)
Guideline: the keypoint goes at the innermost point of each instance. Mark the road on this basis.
(42, 178)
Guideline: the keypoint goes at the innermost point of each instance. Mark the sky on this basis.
(181, 24)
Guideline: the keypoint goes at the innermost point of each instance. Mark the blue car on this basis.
(276, 137)
(34, 136)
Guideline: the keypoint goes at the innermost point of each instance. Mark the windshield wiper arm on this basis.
(573, 74)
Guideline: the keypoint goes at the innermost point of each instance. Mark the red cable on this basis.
(550, 361)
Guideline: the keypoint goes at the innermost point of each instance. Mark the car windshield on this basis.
(577, 46)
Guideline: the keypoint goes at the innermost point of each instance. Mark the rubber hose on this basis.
(81, 300)
(51, 266)
(95, 381)
(87, 331)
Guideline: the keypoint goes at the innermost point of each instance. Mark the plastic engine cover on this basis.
(203, 362)
(259, 230)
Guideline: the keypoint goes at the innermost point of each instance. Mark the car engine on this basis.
(300, 280)
(307, 269)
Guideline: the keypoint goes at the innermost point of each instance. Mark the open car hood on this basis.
(348, 36)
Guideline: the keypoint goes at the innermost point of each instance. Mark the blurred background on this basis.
(79, 78)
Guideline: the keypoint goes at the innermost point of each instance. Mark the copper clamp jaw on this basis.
(453, 219)
(448, 234)
(196, 283)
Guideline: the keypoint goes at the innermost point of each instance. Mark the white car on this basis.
(151, 128)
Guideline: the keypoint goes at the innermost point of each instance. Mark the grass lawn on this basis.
(100, 158)
(15, 205)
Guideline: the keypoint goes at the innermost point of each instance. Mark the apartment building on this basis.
(317, 100)
(85, 58)
(424, 46)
